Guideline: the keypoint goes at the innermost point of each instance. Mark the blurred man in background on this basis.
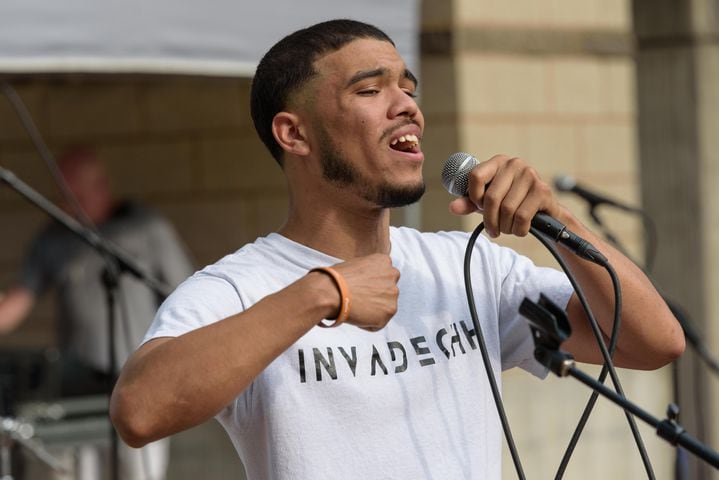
(60, 260)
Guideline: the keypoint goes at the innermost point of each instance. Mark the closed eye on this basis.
(368, 92)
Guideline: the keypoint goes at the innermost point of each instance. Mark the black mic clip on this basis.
(550, 328)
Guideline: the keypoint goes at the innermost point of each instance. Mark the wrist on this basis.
(324, 294)
(567, 218)
(344, 309)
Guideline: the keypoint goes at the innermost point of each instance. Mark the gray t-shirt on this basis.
(60, 259)
(408, 401)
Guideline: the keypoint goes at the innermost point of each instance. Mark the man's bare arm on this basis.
(171, 384)
(650, 336)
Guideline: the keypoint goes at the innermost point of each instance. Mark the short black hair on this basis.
(288, 65)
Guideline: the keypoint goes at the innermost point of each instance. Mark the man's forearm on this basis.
(649, 336)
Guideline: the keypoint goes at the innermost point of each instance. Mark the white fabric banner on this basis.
(212, 37)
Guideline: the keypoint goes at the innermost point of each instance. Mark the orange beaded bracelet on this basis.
(344, 312)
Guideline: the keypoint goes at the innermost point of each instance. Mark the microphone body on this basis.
(455, 178)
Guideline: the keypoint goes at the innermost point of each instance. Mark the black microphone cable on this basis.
(455, 178)
(485, 355)
(595, 328)
(608, 367)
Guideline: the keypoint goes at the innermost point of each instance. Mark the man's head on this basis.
(87, 179)
(289, 64)
(340, 93)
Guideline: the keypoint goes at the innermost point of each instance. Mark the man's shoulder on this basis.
(250, 260)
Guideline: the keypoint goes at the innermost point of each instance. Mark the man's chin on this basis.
(400, 197)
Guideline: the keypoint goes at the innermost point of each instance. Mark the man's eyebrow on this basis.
(378, 72)
(359, 76)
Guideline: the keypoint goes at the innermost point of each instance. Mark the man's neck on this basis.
(338, 232)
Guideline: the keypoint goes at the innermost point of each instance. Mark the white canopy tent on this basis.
(219, 38)
(213, 37)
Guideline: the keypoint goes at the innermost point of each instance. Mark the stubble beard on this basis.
(336, 169)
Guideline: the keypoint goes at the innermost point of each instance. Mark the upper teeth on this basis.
(406, 138)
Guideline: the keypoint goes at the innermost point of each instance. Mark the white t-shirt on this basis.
(410, 401)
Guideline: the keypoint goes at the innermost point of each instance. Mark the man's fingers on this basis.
(462, 206)
(508, 192)
(372, 282)
(520, 202)
(535, 201)
(493, 190)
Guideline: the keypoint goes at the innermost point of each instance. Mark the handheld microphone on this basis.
(567, 183)
(455, 178)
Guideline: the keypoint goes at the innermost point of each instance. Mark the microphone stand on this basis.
(690, 333)
(116, 263)
(550, 327)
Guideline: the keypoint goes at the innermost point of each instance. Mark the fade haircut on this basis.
(288, 65)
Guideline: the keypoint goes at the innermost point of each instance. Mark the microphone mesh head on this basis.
(455, 173)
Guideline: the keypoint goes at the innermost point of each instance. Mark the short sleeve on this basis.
(199, 301)
(522, 279)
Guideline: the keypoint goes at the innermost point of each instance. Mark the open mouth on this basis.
(406, 143)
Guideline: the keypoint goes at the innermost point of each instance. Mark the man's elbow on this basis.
(665, 353)
(129, 420)
(676, 347)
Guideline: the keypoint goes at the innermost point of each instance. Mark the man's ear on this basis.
(289, 132)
